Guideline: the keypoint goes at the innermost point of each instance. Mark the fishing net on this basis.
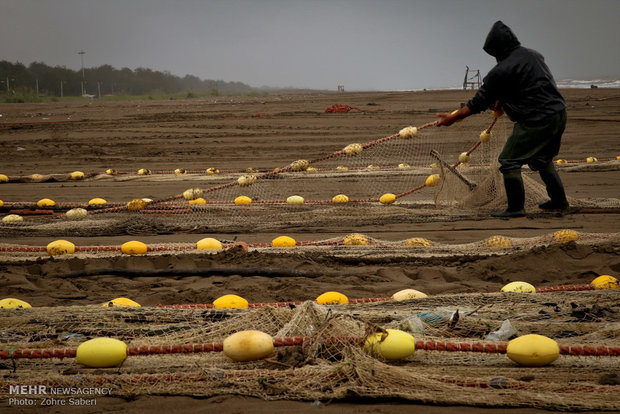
(319, 353)
(425, 173)
(355, 246)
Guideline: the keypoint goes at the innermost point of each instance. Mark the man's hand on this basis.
(446, 119)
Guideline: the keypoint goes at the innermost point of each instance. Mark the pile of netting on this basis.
(319, 353)
(442, 173)
(354, 245)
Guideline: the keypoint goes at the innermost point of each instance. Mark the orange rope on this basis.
(447, 346)
(547, 289)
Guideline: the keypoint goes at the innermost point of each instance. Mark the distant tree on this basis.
(107, 80)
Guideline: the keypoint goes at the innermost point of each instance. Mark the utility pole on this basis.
(82, 53)
(37, 87)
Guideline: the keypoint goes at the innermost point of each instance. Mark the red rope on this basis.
(547, 289)
(410, 191)
(499, 348)
(262, 304)
(460, 346)
(565, 288)
(174, 349)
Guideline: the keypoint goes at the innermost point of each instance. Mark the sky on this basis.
(317, 44)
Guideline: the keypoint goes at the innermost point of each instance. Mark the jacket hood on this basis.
(500, 41)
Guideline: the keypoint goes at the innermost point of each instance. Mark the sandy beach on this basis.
(236, 133)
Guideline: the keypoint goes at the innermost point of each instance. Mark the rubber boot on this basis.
(555, 189)
(515, 194)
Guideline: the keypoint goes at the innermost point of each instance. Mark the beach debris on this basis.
(505, 332)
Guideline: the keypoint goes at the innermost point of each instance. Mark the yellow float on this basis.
(565, 236)
(12, 303)
(295, 199)
(464, 158)
(134, 247)
(60, 247)
(243, 201)
(432, 180)
(407, 294)
(408, 132)
(387, 198)
(418, 242)
(101, 353)
(299, 165)
(485, 136)
(137, 204)
(199, 201)
(353, 149)
(355, 239)
(76, 213)
(121, 303)
(97, 200)
(497, 242)
(192, 193)
(246, 180)
(340, 198)
(518, 287)
(46, 202)
(248, 346)
(208, 243)
(283, 241)
(533, 350)
(332, 298)
(605, 282)
(392, 344)
(12, 219)
(77, 175)
(230, 302)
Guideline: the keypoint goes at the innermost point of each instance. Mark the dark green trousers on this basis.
(535, 145)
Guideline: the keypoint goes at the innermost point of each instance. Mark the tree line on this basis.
(42, 80)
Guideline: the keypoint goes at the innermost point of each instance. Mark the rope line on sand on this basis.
(425, 345)
(545, 289)
(557, 237)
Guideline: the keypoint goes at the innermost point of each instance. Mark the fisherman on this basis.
(521, 85)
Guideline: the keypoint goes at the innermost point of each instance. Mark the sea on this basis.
(587, 84)
(562, 84)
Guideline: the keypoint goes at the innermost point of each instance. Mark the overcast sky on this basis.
(361, 44)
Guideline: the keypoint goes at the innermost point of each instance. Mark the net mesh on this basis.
(331, 362)
(351, 246)
(363, 171)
